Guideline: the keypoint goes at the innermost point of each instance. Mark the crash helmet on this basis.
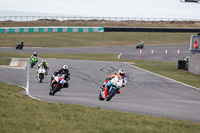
(34, 53)
(142, 41)
(65, 68)
(44, 62)
(121, 72)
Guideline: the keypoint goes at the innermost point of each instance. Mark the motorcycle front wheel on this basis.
(32, 64)
(100, 97)
(54, 90)
(41, 78)
(111, 94)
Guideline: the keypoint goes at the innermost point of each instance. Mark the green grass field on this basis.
(92, 39)
(5, 61)
(21, 114)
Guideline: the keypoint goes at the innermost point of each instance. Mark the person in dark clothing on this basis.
(20, 45)
(63, 71)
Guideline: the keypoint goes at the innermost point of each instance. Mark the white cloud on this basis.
(107, 8)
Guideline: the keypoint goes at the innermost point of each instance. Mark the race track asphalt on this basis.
(129, 52)
(146, 93)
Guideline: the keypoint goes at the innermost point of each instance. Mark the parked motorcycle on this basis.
(116, 85)
(33, 61)
(20, 45)
(58, 83)
(41, 73)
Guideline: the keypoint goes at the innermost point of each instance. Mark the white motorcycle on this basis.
(41, 73)
(116, 85)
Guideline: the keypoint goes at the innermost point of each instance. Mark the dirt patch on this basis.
(23, 92)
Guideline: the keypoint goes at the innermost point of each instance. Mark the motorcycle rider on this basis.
(140, 44)
(120, 75)
(20, 45)
(45, 65)
(64, 71)
(35, 55)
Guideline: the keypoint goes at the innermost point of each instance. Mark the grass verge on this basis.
(22, 114)
(5, 61)
(92, 39)
(170, 70)
(100, 57)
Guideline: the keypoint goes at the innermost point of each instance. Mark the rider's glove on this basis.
(67, 78)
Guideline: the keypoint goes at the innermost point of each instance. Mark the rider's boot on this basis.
(119, 91)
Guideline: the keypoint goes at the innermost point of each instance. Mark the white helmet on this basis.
(65, 67)
(121, 72)
(34, 53)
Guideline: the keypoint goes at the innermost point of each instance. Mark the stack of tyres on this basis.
(181, 64)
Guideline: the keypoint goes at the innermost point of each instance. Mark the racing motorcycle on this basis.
(116, 85)
(58, 83)
(139, 47)
(41, 73)
(20, 46)
(33, 61)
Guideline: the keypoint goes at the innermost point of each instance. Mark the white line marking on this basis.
(165, 77)
(27, 78)
(119, 55)
(14, 62)
(27, 83)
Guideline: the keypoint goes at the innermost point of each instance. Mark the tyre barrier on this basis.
(114, 29)
(49, 29)
(92, 29)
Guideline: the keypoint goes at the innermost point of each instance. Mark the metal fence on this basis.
(66, 18)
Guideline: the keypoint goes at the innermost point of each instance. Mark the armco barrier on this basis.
(114, 29)
(92, 29)
(50, 29)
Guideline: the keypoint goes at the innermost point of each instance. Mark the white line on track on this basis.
(27, 82)
(119, 55)
(165, 77)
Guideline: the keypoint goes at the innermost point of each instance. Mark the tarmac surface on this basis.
(129, 52)
(146, 93)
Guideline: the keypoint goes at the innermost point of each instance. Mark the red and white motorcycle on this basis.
(58, 83)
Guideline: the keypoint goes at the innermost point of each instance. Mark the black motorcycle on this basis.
(139, 47)
(20, 46)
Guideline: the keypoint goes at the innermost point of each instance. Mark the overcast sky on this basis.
(102, 8)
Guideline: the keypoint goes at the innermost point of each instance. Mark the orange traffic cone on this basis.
(152, 52)
(166, 52)
(178, 52)
(140, 51)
